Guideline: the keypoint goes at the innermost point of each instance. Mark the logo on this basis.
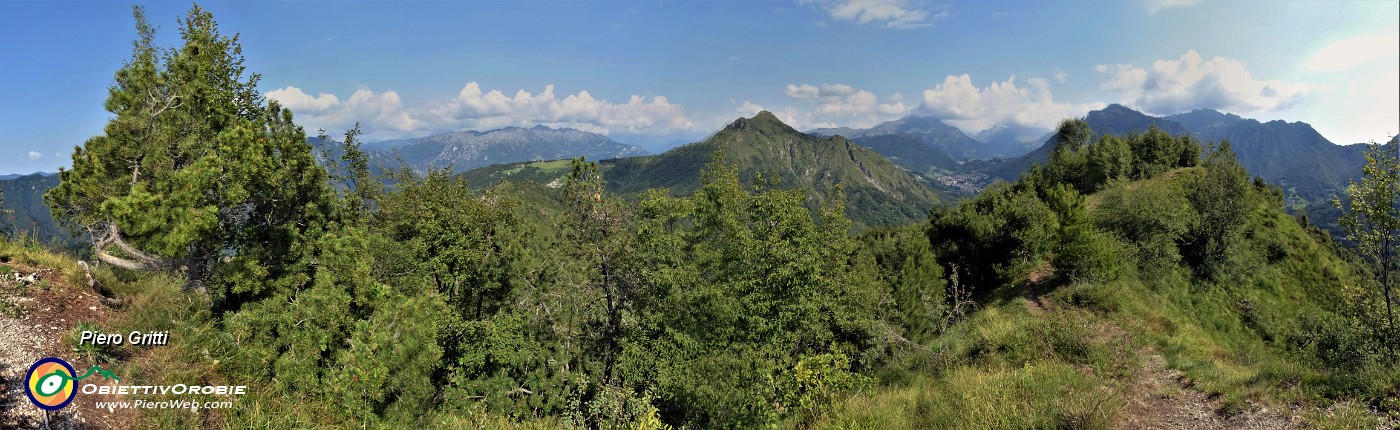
(51, 385)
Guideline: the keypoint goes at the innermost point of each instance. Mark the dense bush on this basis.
(992, 238)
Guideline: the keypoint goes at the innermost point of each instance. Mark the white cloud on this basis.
(379, 114)
(1154, 6)
(1377, 120)
(1060, 75)
(831, 105)
(962, 104)
(1172, 86)
(1347, 53)
(816, 93)
(36, 155)
(747, 109)
(897, 14)
(300, 102)
(384, 115)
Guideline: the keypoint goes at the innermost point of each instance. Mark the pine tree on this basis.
(196, 173)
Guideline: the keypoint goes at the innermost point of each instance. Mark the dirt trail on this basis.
(1036, 285)
(1159, 397)
(1162, 398)
(50, 308)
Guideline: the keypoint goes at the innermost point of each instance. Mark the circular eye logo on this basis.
(49, 383)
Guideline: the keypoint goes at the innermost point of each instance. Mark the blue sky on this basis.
(650, 72)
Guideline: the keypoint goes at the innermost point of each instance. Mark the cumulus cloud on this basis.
(380, 114)
(384, 115)
(1173, 86)
(1154, 6)
(897, 14)
(747, 108)
(1347, 53)
(832, 105)
(966, 106)
(301, 102)
(36, 155)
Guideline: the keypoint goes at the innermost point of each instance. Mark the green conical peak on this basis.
(764, 120)
(766, 116)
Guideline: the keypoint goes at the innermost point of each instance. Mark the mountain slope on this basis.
(1012, 140)
(877, 191)
(1115, 119)
(1294, 156)
(909, 152)
(1151, 344)
(26, 212)
(466, 150)
(934, 133)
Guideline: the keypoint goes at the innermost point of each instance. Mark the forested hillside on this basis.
(767, 153)
(762, 278)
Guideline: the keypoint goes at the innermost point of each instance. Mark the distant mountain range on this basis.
(877, 191)
(1112, 120)
(934, 133)
(1310, 168)
(466, 150)
(892, 173)
(1012, 140)
(20, 175)
(1001, 141)
(1294, 156)
(25, 211)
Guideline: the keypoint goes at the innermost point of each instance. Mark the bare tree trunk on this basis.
(1385, 281)
(137, 260)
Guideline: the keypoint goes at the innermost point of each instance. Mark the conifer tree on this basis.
(196, 173)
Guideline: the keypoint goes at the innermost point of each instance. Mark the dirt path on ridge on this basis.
(1162, 398)
(48, 309)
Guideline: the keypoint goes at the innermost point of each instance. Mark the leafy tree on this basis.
(1222, 197)
(993, 237)
(1068, 159)
(1111, 159)
(1371, 214)
(1190, 152)
(1073, 135)
(195, 172)
(1153, 153)
(462, 241)
(740, 288)
(1151, 219)
(597, 226)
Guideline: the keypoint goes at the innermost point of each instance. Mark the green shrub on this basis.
(1335, 342)
(1098, 297)
(1088, 255)
(90, 351)
(810, 387)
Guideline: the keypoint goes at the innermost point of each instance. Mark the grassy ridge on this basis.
(1249, 339)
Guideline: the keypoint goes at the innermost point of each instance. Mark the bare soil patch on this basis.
(1163, 398)
(48, 310)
